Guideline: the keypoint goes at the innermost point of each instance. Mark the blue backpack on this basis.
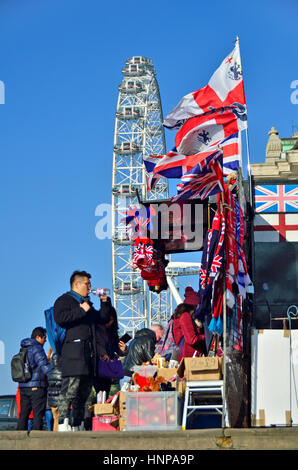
(56, 334)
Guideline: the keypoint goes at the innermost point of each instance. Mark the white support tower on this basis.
(174, 270)
(138, 132)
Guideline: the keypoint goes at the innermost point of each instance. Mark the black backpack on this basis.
(20, 367)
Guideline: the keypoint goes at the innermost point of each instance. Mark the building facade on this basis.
(275, 247)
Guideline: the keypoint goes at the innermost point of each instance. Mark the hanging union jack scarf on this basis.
(143, 253)
(224, 91)
(204, 180)
(212, 257)
(243, 280)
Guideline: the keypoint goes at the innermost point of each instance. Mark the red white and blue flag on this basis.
(203, 180)
(171, 165)
(276, 198)
(175, 165)
(201, 132)
(225, 90)
(139, 219)
(231, 147)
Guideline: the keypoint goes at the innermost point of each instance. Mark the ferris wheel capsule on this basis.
(140, 60)
(129, 112)
(131, 86)
(134, 70)
(128, 287)
(126, 189)
(121, 237)
(127, 148)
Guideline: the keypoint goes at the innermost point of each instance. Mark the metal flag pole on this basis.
(224, 312)
(224, 408)
(246, 135)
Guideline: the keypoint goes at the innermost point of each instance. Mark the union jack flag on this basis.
(139, 219)
(175, 165)
(276, 198)
(204, 180)
(143, 254)
(171, 165)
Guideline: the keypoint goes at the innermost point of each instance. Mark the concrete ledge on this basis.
(199, 439)
(285, 438)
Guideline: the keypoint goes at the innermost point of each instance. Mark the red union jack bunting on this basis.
(280, 227)
(276, 198)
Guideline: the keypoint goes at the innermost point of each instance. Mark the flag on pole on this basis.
(169, 166)
(175, 165)
(231, 147)
(201, 132)
(203, 180)
(225, 90)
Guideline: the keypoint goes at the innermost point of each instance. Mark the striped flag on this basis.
(175, 165)
(231, 147)
(203, 180)
(201, 132)
(224, 91)
(168, 166)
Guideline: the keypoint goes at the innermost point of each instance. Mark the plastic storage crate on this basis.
(153, 411)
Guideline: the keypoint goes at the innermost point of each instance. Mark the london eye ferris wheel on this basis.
(138, 132)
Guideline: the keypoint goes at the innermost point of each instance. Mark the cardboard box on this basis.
(122, 423)
(200, 368)
(122, 410)
(167, 372)
(104, 409)
(180, 386)
(122, 403)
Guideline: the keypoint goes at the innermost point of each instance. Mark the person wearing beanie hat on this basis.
(185, 330)
(191, 297)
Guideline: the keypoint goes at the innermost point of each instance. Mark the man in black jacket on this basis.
(75, 312)
(141, 349)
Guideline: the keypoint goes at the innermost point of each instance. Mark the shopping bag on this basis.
(110, 369)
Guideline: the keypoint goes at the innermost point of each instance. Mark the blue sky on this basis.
(60, 62)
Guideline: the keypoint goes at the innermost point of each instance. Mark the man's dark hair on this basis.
(77, 274)
(38, 331)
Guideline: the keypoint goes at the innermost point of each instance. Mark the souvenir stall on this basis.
(166, 393)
